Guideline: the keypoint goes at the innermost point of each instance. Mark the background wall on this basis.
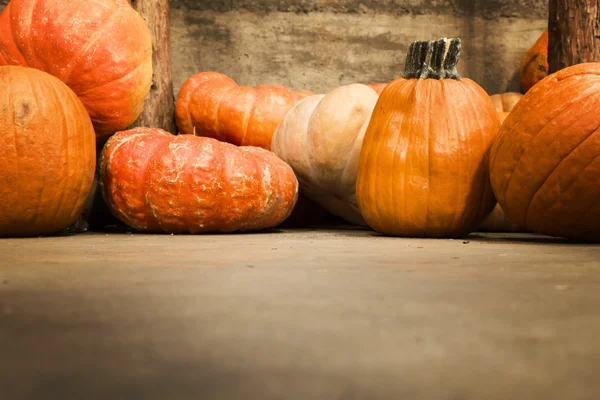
(320, 44)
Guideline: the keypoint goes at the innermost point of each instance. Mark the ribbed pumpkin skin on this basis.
(101, 49)
(544, 163)
(211, 104)
(534, 66)
(423, 168)
(156, 182)
(321, 138)
(47, 160)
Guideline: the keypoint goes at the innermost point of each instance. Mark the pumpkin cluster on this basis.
(429, 154)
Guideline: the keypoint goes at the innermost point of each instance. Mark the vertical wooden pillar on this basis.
(574, 33)
(159, 110)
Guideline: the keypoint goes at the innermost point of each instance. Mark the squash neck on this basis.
(433, 59)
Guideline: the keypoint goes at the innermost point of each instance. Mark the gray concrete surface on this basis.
(320, 44)
(298, 315)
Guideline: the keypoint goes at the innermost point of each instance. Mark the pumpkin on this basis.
(47, 160)
(321, 138)
(498, 221)
(423, 169)
(157, 182)
(101, 49)
(534, 66)
(505, 102)
(544, 164)
(212, 104)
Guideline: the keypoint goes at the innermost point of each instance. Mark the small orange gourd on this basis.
(423, 169)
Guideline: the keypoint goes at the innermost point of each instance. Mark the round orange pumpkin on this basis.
(48, 159)
(423, 168)
(156, 182)
(101, 49)
(545, 161)
(534, 66)
(212, 104)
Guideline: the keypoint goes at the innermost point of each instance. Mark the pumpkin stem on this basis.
(433, 59)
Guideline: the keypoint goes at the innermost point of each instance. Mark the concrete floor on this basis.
(298, 315)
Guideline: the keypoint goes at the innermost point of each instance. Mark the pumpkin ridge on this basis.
(585, 139)
(127, 75)
(41, 197)
(29, 29)
(93, 39)
(584, 214)
(17, 157)
(557, 116)
(456, 129)
(248, 113)
(7, 56)
(472, 93)
(151, 162)
(573, 182)
(66, 149)
(216, 117)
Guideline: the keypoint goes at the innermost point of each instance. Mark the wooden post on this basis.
(574, 33)
(159, 110)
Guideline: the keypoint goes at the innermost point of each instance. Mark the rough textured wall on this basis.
(319, 44)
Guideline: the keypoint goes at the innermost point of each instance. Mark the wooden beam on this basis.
(159, 110)
(574, 33)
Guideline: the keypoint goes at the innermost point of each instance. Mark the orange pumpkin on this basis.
(101, 49)
(156, 182)
(213, 105)
(423, 168)
(47, 160)
(498, 221)
(534, 66)
(544, 163)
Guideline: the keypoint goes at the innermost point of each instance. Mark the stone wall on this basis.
(319, 44)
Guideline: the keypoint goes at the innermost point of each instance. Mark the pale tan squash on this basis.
(321, 138)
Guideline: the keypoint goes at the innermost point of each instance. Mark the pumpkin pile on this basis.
(429, 154)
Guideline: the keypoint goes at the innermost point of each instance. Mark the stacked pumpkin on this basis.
(57, 90)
